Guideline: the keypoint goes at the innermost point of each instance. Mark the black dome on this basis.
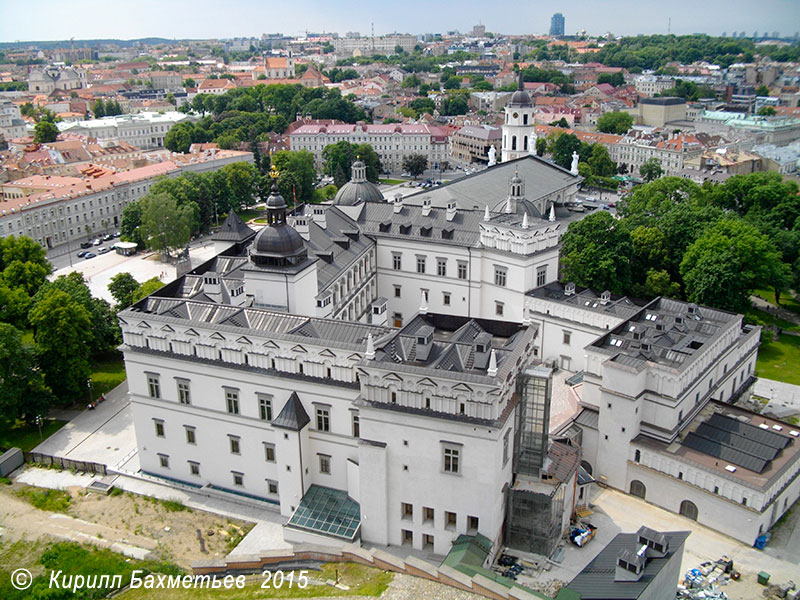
(358, 189)
(520, 98)
(277, 244)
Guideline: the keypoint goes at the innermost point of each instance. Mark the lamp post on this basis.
(89, 388)
(39, 424)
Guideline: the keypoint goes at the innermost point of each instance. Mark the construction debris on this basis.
(705, 581)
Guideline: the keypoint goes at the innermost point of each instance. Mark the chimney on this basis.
(569, 289)
(426, 207)
(370, 353)
(451, 210)
(398, 203)
(423, 303)
(301, 226)
(486, 215)
(424, 342)
(492, 370)
(605, 297)
(319, 217)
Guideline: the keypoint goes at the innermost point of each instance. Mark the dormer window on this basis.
(480, 348)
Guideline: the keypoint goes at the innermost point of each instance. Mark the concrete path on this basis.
(104, 435)
(780, 395)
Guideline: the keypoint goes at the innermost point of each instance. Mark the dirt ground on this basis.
(137, 524)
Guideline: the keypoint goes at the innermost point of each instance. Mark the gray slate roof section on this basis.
(596, 581)
(490, 186)
(292, 416)
(233, 230)
(465, 226)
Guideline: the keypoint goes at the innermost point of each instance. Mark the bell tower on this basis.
(519, 131)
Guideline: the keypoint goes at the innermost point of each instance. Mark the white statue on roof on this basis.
(574, 168)
(492, 155)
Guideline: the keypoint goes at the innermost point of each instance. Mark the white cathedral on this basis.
(382, 370)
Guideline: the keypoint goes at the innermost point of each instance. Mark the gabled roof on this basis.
(292, 416)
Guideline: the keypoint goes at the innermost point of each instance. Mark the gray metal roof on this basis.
(233, 229)
(596, 581)
(490, 186)
(292, 416)
(380, 220)
(589, 300)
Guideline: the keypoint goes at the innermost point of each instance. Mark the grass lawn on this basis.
(362, 580)
(26, 437)
(788, 300)
(246, 215)
(264, 220)
(107, 373)
(771, 319)
(780, 359)
(392, 181)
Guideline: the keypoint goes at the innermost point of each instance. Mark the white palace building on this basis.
(382, 371)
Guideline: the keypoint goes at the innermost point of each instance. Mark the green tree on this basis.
(762, 90)
(297, 175)
(541, 146)
(189, 83)
(616, 79)
(658, 283)
(422, 105)
(129, 226)
(166, 227)
(455, 104)
(651, 169)
(596, 252)
(727, 262)
(99, 109)
(62, 330)
(601, 162)
(412, 81)
(148, 287)
(242, 178)
(45, 132)
(14, 305)
(22, 249)
(23, 394)
(122, 286)
(179, 138)
(766, 111)
(563, 147)
(415, 164)
(615, 122)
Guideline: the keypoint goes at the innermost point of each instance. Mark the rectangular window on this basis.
(324, 464)
(498, 309)
(500, 274)
(323, 419)
(541, 276)
(472, 524)
(238, 478)
(234, 442)
(183, 392)
(397, 291)
(441, 267)
(450, 520)
(153, 386)
(356, 425)
(163, 460)
(421, 264)
(506, 444)
(462, 270)
(446, 298)
(408, 537)
(407, 510)
(269, 452)
(159, 427)
(232, 401)
(272, 486)
(190, 436)
(427, 514)
(397, 261)
(567, 337)
(194, 468)
(265, 407)
(451, 460)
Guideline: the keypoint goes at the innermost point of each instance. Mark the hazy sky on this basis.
(127, 19)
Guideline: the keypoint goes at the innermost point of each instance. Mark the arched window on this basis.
(586, 467)
(638, 489)
(637, 456)
(513, 142)
(689, 510)
(525, 142)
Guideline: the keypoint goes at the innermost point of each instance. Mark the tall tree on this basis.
(62, 329)
(596, 252)
(166, 227)
(728, 261)
(122, 286)
(45, 132)
(651, 169)
(415, 164)
(615, 122)
(563, 147)
(129, 226)
(22, 390)
(297, 175)
(145, 289)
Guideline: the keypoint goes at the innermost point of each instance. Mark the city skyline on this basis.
(247, 18)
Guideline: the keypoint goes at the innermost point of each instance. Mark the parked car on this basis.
(82, 253)
(97, 242)
(107, 237)
(103, 250)
(89, 255)
(86, 244)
